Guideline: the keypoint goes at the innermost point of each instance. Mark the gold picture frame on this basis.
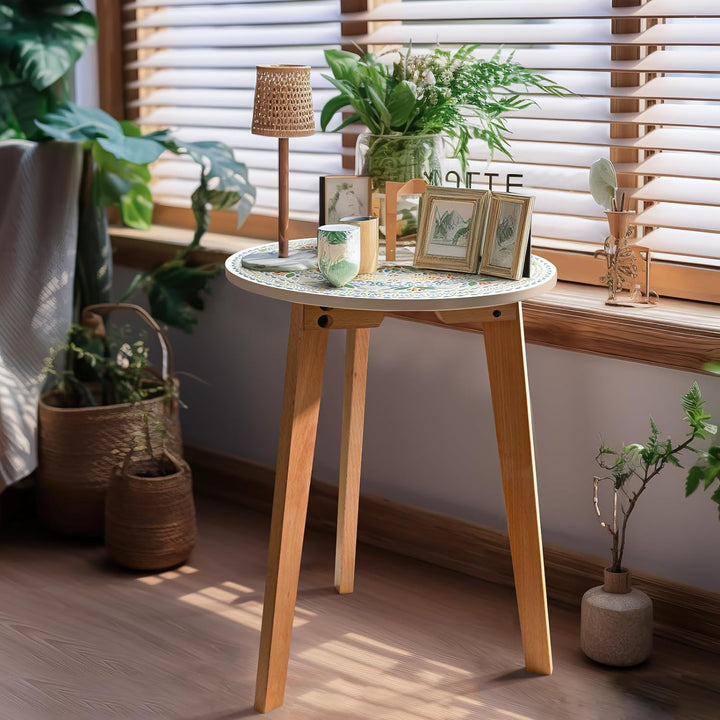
(507, 235)
(450, 229)
(343, 196)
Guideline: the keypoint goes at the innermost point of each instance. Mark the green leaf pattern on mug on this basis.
(336, 237)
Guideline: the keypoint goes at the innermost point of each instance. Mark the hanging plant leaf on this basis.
(223, 183)
(136, 206)
(174, 288)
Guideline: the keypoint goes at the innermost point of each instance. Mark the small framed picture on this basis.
(450, 229)
(342, 196)
(507, 235)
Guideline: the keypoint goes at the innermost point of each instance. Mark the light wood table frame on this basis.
(500, 316)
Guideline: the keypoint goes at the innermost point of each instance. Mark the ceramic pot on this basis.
(338, 252)
(616, 622)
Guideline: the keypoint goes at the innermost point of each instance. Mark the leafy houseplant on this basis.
(707, 471)
(101, 386)
(441, 92)
(616, 620)
(41, 41)
(631, 469)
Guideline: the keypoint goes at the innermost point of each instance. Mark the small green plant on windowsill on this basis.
(631, 469)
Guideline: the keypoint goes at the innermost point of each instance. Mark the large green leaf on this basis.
(378, 102)
(331, 107)
(136, 206)
(401, 103)
(343, 64)
(223, 182)
(46, 39)
(137, 150)
(73, 123)
(21, 104)
(175, 288)
(123, 185)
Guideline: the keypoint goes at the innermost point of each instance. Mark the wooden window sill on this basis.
(675, 333)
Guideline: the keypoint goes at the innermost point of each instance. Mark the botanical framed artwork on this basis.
(344, 195)
(507, 235)
(450, 229)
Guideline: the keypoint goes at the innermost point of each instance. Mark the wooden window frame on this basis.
(693, 283)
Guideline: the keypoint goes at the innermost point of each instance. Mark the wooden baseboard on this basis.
(682, 613)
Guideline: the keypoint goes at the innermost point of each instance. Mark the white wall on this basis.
(85, 78)
(429, 436)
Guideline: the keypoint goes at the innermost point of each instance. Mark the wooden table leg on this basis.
(356, 355)
(298, 428)
(505, 350)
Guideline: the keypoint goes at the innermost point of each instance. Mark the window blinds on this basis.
(194, 70)
(646, 78)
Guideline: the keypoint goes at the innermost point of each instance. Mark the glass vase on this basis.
(399, 158)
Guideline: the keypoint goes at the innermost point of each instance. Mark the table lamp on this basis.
(283, 108)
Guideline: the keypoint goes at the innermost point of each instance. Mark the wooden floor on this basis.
(82, 640)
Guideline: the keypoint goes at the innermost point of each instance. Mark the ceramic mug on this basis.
(338, 249)
(369, 240)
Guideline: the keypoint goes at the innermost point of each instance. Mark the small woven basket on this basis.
(150, 519)
(79, 447)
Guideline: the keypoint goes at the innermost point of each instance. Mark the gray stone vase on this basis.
(616, 622)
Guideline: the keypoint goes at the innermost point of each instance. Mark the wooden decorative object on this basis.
(417, 186)
(283, 109)
(622, 263)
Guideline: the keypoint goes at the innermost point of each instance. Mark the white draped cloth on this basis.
(39, 186)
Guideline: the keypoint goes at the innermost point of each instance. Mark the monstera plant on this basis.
(40, 42)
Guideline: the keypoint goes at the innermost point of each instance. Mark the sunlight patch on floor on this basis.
(150, 580)
(237, 587)
(221, 602)
(372, 679)
(167, 575)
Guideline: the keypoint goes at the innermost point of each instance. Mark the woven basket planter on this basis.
(79, 448)
(150, 519)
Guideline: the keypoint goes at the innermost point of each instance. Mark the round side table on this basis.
(316, 309)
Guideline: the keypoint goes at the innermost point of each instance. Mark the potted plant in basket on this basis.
(410, 104)
(616, 619)
(101, 385)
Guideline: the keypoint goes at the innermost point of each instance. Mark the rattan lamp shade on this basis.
(283, 105)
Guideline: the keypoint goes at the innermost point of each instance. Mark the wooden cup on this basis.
(369, 240)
